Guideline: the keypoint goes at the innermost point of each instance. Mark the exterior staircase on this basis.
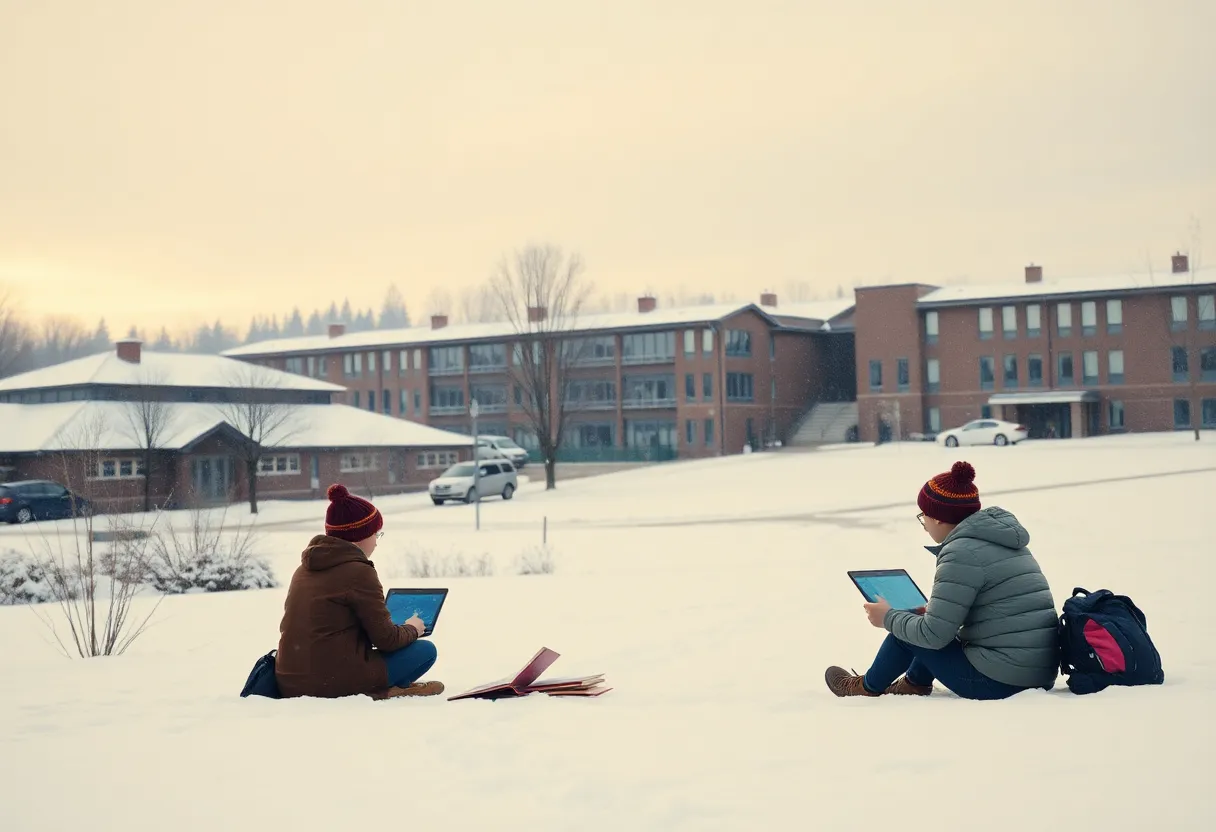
(826, 423)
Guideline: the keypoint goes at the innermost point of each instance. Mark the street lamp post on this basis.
(473, 411)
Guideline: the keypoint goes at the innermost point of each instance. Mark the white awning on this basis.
(1044, 397)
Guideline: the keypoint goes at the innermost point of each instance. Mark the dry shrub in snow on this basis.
(537, 560)
(426, 564)
(208, 557)
(23, 580)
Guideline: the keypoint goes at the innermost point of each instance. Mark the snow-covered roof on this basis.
(814, 310)
(162, 369)
(107, 426)
(975, 293)
(460, 333)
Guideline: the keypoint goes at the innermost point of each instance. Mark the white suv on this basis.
(497, 476)
(502, 446)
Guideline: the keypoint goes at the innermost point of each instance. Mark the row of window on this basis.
(1030, 321)
(1065, 370)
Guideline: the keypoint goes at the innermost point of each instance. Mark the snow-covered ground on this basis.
(713, 595)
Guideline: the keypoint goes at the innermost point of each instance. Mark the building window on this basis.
(985, 411)
(1178, 312)
(445, 361)
(403, 362)
(707, 386)
(487, 358)
(417, 359)
(738, 343)
(985, 323)
(690, 387)
(312, 366)
(1207, 364)
(120, 468)
(437, 459)
(739, 387)
(901, 374)
(875, 374)
(1207, 311)
(1089, 367)
(1208, 413)
(386, 397)
(707, 341)
(591, 352)
(933, 419)
(371, 362)
(987, 372)
(648, 434)
(1114, 316)
(1182, 413)
(491, 398)
(386, 361)
(447, 400)
(352, 364)
(295, 365)
(1089, 317)
(353, 463)
(278, 465)
(404, 402)
(690, 341)
(1063, 319)
(649, 391)
(1034, 313)
(1011, 371)
(1034, 370)
(1064, 374)
(587, 393)
(648, 348)
(772, 347)
(1114, 367)
(1115, 415)
(933, 373)
(690, 432)
(355, 398)
(931, 327)
(417, 402)
(1009, 321)
(1179, 364)
(709, 432)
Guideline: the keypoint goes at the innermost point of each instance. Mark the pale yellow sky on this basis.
(164, 161)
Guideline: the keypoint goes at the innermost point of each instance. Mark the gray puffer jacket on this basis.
(989, 593)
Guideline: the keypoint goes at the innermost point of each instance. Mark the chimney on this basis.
(536, 314)
(129, 349)
(647, 303)
(337, 329)
(768, 298)
(1034, 274)
(1180, 263)
(439, 321)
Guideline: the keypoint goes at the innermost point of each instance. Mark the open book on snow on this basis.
(528, 681)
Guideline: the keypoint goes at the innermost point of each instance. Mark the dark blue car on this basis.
(21, 502)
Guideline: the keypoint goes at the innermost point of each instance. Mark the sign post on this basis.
(473, 411)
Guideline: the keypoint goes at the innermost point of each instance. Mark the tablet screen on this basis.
(402, 605)
(899, 590)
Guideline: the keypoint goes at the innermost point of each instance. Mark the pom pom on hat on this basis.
(950, 497)
(349, 517)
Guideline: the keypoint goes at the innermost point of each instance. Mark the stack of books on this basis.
(528, 681)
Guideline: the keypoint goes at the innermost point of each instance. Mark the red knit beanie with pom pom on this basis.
(349, 517)
(951, 497)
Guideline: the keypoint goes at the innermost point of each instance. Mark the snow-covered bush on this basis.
(424, 563)
(207, 557)
(23, 580)
(537, 560)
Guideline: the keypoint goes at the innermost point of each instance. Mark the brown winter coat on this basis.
(333, 616)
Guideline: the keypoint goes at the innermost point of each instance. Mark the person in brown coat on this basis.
(336, 637)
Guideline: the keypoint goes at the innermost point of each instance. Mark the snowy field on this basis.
(713, 595)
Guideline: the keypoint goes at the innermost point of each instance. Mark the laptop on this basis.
(404, 603)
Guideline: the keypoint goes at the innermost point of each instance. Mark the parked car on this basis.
(984, 432)
(28, 500)
(497, 476)
(505, 447)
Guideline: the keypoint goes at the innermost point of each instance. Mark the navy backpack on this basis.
(261, 681)
(1104, 641)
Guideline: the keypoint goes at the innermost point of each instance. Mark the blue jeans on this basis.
(406, 666)
(921, 666)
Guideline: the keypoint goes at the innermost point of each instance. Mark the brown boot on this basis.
(902, 687)
(843, 683)
(416, 689)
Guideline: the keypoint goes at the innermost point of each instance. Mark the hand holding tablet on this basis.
(895, 586)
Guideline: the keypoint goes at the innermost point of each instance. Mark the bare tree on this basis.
(94, 577)
(15, 340)
(540, 293)
(263, 421)
(478, 305)
(63, 339)
(149, 421)
(439, 302)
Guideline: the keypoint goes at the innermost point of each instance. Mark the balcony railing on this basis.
(447, 410)
(648, 359)
(577, 362)
(445, 371)
(648, 404)
(475, 369)
(590, 405)
(492, 407)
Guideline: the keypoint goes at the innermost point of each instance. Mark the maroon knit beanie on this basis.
(951, 497)
(349, 517)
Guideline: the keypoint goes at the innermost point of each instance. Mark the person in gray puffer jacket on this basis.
(989, 628)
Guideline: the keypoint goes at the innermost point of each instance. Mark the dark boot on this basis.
(902, 687)
(843, 683)
(416, 689)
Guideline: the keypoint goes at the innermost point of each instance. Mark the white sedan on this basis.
(984, 432)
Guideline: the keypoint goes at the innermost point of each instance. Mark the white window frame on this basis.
(1034, 317)
(437, 459)
(931, 323)
(690, 342)
(358, 462)
(1009, 320)
(279, 465)
(1089, 314)
(135, 465)
(933, 371)
(985, 320)
(1114, 312)
(1178, 309)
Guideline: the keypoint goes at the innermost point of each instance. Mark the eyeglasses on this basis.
(379, 535)
(921, 519)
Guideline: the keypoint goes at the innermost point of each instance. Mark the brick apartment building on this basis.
(80, 424)
(1064, 357)
(656, 383)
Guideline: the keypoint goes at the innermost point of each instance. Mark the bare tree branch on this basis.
(16, 340)
(149, 421)
(541, 293)
(262, 419)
